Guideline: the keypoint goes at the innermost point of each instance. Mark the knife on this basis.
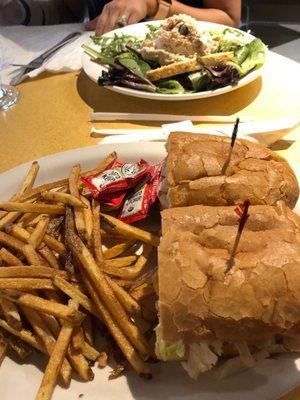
(265, 132)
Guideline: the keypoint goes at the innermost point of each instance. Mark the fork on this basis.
(38, 62)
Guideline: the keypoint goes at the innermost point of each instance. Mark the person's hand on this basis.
(131, 11)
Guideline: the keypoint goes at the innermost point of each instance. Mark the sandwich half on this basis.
(194, 173)
(206, 313)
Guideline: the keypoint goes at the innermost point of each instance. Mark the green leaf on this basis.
(256, 56)
(151, 35)
(198, 80)
(97, 55)
(131, 61)
(170, 87)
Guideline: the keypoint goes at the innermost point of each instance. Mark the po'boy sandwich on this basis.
(194, 173)
(206, 311)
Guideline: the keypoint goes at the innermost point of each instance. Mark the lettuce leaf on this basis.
(167, 351)
(198, 80)
(170, 87)
(133, 63)
(256, 56)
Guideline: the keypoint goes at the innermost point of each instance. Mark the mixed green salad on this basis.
(128, 64)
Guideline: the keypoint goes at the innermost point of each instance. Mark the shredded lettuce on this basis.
(200, 359)
(167, 351)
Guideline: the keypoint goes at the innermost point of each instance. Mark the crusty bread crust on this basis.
(194, 172)
(176, 68)
(258, 298)
(216, 58)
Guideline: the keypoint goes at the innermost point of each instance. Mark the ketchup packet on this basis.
(118, 178)
(113, 200)
(138, 203)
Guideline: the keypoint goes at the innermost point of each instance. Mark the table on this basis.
(53, 111)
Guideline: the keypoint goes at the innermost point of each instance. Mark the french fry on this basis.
(102, 287)
(90, 352)
(120, 262)
(133, 271)
(49, 257)
(73, 187)
(26, 284)
(30, 253)
(36, 207)
(116, 372)
(88, 220)
(29, 219)
(43, 333)
(118, 249)
(150, 276)
(124, 283)
(9, 218)
(32, 256)
(97, 242)
(111, 158)
(55, 361)
(30, 178)
(50, 307)
(39, 231)
(24, 235)
(9, 258)
(11, 242)
(31, 271)
(102, 360)
(3, 348)
(25, 335)
(19, 347)
(122, 341)
(87, 326)
(55, 245)
(78, 338)
(74, 293)
(142, 291)
(64, 198)
(35, 192)
(55, 225)
(11, 312)
(51, 323)
(132, 231)
(127, 301)
(80, 364)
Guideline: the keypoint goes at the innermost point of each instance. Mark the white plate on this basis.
(267, 381)
(94, 70)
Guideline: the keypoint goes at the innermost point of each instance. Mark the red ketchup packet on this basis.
(138, 203)
(110, 186)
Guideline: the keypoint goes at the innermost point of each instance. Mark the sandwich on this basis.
(207, 312)
(194, 173)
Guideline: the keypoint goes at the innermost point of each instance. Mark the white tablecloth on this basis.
(21, 44)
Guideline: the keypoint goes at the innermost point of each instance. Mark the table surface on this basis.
(53, 113)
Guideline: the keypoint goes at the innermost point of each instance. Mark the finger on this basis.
(91, 25)
(134, 18)
(102, 21)
(113, 22)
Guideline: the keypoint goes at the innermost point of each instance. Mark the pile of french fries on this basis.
(59, 284)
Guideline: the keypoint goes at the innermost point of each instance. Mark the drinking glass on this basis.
(9, 95)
